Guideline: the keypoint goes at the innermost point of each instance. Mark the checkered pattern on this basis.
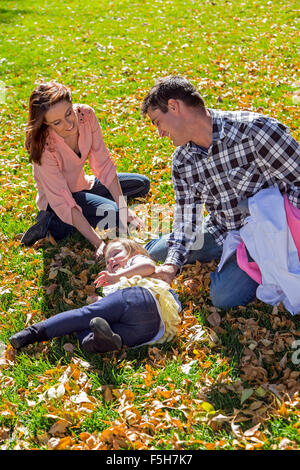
(249, 152)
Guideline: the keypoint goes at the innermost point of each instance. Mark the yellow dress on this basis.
(169, 308)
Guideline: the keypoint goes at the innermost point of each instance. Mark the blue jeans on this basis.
(230, 287)
(98, 205)
(131, 313)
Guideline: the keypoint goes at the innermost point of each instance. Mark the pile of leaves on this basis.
(235, 377)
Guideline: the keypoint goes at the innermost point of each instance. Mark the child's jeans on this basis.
(131, 313)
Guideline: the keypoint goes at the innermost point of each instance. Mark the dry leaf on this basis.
(59, 427)
(214, 319)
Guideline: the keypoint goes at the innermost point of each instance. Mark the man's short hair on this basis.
(175, 87)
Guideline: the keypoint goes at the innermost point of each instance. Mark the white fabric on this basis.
(230, 245)
(269, 242)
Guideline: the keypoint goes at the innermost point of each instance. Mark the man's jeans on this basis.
(98, 205)
(131, 313)
(230, 287)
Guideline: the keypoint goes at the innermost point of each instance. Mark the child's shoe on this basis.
(32, 334)
(102, 338)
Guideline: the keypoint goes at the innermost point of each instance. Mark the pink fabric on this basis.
(61, 171)
(293, 220)
(250, 267)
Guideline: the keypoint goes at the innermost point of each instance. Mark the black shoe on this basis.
(103, 339)
(32, 334)
(38, 230)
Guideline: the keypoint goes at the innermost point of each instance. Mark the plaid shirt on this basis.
(249, 152)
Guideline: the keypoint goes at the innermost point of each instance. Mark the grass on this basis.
(240, 55)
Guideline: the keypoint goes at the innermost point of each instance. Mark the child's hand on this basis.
(105, 279)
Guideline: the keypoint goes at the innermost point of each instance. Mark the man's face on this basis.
(170, 124)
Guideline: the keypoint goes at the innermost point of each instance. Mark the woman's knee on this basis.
(134, 184)
(145, 188)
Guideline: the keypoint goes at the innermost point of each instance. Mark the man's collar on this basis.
(218, 125)
(221, 129)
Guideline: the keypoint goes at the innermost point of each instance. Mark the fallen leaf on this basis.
(247, 392)
(214, 319)
(59, 427)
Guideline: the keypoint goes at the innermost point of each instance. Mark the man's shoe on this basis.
(102, 339)
(38, 230)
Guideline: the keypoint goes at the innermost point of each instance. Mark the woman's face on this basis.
(62, 118)
(116, 257)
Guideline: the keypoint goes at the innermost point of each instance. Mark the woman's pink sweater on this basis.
(61, 171)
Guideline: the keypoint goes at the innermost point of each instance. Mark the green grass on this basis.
(239, 55)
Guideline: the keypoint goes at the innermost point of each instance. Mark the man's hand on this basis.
(165, 272)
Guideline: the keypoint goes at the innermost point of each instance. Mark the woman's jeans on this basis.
(98, 206)
(131, 313)
(230, 287)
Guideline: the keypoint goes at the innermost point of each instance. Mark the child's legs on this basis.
(141, 320)
(131, 312)
(73, 321)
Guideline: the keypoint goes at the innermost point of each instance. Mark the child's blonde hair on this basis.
(131, 246)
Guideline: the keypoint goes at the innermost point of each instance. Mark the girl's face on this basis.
(116, 257)
(62, 118)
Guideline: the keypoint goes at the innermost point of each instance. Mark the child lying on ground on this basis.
(135, 310)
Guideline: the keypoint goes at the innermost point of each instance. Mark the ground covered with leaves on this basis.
(230, 379)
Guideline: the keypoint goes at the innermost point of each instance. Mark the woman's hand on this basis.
(133, 219)
(99, 251)
(105, 279)
(128, 216)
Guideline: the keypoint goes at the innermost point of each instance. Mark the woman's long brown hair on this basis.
(41, 99)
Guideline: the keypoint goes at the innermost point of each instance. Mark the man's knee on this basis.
(228, 295)
(219, 298)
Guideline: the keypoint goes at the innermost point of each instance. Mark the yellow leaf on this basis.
(207, 407)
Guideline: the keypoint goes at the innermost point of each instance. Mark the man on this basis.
(222, 159)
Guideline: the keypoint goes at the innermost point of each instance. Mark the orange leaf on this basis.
(210, 446)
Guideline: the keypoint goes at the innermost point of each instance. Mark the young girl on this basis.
(60, 137)
(135, 310)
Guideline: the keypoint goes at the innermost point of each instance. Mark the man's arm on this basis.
(187, 225)
(280, 153)
(166, 272)
(188, 215)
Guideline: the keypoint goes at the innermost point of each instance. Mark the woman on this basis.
(60, 136)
